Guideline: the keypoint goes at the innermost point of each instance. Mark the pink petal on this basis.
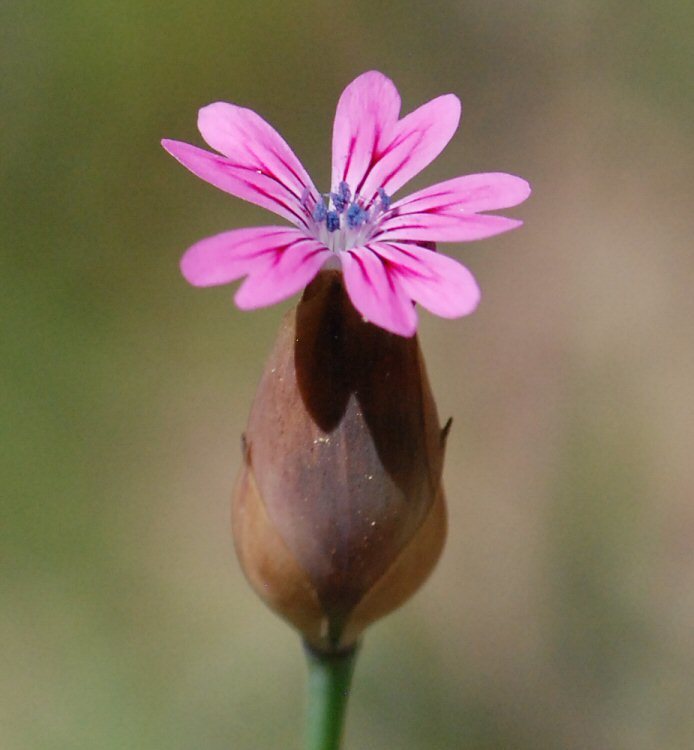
(278, 261)
(281, 274)
(430, 227)
(376, 292)
(446, 212)
(470, 193)
(241, 182)
(250, 142)
(412, 144)
(230, 255)
(436, 281)
(366, 112)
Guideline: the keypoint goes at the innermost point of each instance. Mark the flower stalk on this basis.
(329, 682)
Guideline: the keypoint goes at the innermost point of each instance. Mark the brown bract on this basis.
(338, 513)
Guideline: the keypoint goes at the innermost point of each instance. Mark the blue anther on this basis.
(385, 199)
(341, 197)
(339, 202)
(345, 192)
(319, 213)
(356, 216)
(332, 221)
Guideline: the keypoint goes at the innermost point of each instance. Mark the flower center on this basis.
(342, 221)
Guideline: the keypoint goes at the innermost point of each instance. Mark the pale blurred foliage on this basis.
(562, 614)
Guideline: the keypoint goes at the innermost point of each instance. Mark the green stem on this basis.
(329, 678)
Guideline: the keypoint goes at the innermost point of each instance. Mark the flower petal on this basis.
(278, 261)
(412, 144)
(446, 212)
(248, 141)
(437, 282)
(281, 273)
(376, 292)
(430, 227)
(230, 255)
(470, 193)
(366, 112)
(242, 182)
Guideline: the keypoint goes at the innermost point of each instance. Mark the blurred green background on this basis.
(562, 614)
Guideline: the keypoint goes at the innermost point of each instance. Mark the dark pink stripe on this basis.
(282, 249)
(399, 269)
(412, 204)
(387, 264)
(350, 154)
(404, 227)
(269, 173)
(376, 157)
(291, 169)
(276, 200)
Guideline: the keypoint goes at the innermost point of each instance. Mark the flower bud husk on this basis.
(338, 513)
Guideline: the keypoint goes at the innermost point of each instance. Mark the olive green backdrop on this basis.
(562, 614)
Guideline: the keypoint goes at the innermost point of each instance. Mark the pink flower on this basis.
(386, 249)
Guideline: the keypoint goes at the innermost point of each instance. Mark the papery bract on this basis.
(339, 513)
(385, 248)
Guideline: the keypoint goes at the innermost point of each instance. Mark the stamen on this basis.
(332, 221)
(341, 198)
(319, 213)
(360, 218)
(345, 192)
(356, 216)
(385, 199)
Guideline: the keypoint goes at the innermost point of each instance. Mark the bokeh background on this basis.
(562, 614)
